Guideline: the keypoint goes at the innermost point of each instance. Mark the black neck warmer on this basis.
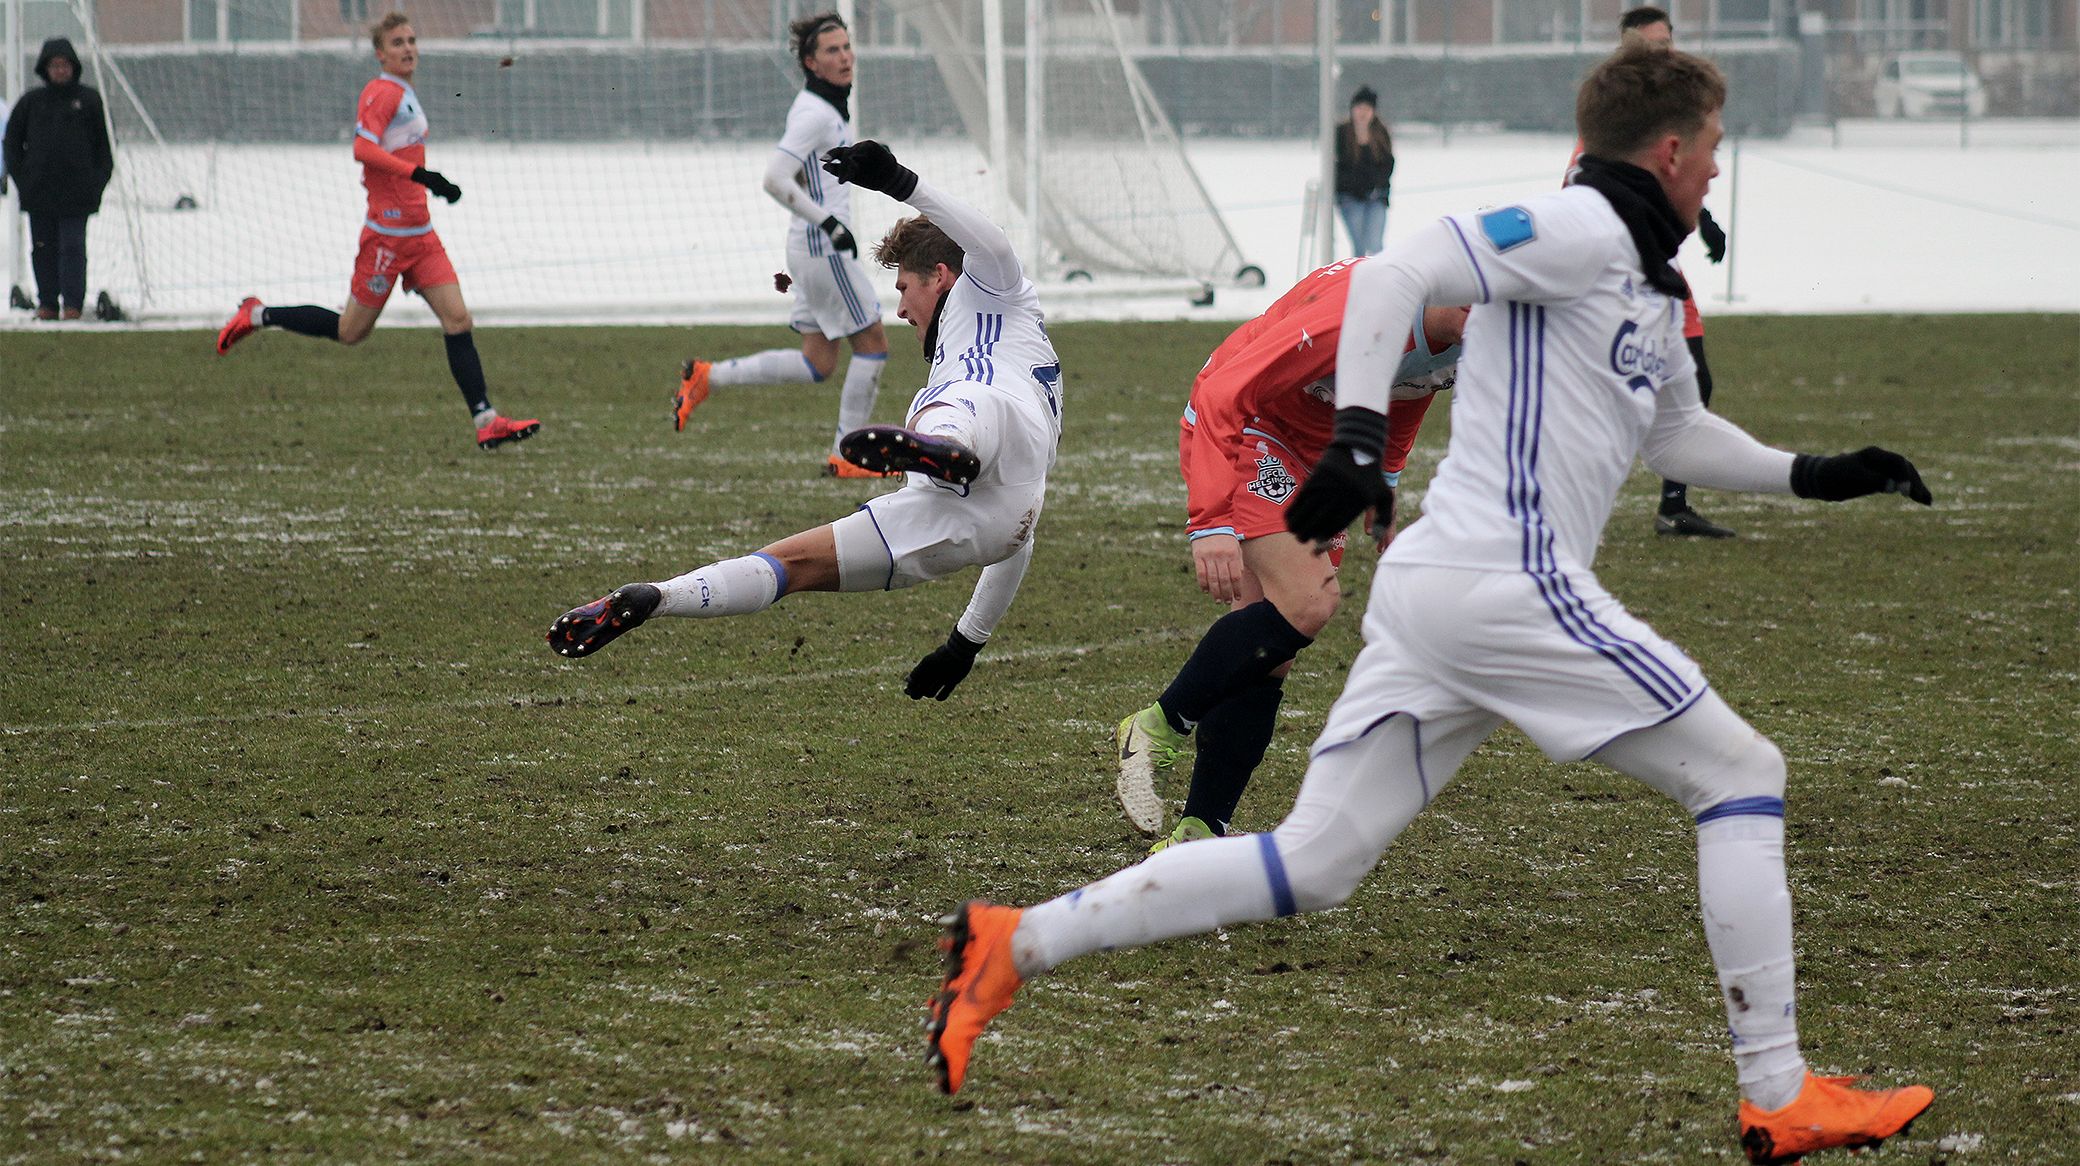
(1644, 208)
(837, 95)
(931, 334)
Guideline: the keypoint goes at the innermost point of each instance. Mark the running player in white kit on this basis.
(1486, 609)
(832, 298)
(981, 439)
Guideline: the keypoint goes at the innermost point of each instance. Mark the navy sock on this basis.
(468, 371)
(1232, 741)
(306, 319)
(1239, 649)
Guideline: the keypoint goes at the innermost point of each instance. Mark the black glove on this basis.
(1869, 470)
(946, 666)
(840, 237)
(432, 180)
(1714, 236)
(872, 165)
(1382, 528)
(1345, 481)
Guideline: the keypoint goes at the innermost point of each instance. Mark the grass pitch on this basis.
(311, 849)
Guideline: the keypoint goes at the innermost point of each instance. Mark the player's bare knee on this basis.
(352, 336)
(1312, 612)
(822, 364)
(457, 324)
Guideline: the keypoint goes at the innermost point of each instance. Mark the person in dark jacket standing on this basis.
(58, 156)
(1364, 169)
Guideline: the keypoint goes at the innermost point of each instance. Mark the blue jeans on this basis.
(1366, 220)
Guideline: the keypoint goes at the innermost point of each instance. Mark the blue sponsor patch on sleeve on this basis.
(1508, 227)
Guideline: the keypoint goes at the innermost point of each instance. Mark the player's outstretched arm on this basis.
(948, 664)
(1691, 445)
(988, 256)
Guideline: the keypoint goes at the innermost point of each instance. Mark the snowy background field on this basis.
(1862, 217)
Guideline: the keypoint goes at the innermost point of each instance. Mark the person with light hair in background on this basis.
(399, 247)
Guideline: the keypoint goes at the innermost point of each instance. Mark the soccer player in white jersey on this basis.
(981, 439)
(398, 243)
(1486, 609)
(832, 298)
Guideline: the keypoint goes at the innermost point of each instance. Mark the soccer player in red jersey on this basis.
(1259, 417)
(398, 243)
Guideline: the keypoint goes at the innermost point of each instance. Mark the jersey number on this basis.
(1050, 378)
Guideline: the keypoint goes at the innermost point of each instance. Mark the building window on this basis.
(2012, 24)
(574, 18)
(218, 21)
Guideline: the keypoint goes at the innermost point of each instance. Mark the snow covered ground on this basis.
(1863, 217)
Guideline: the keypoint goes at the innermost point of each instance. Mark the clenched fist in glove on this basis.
(937, 674)
(432, 180)
(1869, 470)
(872, 165)
(841, 239)
(1346, 482)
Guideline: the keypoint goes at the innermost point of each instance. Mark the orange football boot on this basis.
(1829, 1113)
(979, 982)
(693, 389)
(837, 467)
(239, 326)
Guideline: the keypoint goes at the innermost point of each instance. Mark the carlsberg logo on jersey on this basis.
(1641, 364)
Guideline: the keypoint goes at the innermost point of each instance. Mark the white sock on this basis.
(1747, 923)
(255, 315)
(856, 399)
(737, 586)
(1182, 890)
(774, 366)
(484, 418)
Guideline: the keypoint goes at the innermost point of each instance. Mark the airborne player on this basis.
(981, 439)
(398, 243)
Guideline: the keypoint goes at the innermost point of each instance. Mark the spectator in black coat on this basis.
(1364, 169)
(58, 157)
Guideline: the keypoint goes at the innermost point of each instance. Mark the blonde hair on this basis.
(381, 28)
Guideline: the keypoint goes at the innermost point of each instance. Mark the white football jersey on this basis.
(987, 336)
(998, 339)
(1564, 362)
(814, 127)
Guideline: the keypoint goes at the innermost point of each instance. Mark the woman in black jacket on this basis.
(58, 155)
(1364, 169)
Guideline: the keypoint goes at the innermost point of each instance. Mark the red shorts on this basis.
(1239, 482)
(418, 260)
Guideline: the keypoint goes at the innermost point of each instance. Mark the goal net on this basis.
(610, 152)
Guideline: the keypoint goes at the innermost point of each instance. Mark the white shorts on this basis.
(1554, 654)
(831, 294)
(931, 528)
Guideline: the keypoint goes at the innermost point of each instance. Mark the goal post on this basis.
(610, 151)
